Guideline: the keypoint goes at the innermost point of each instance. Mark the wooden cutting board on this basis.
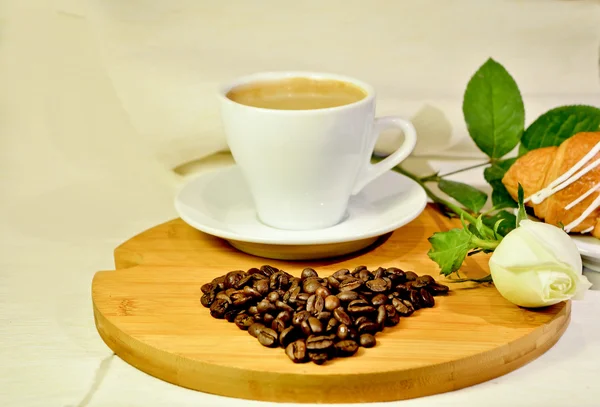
(148, 312)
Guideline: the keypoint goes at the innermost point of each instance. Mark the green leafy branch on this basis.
(494, 113)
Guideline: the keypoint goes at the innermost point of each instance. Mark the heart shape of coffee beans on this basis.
(313, 318)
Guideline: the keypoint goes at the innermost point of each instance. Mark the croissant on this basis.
(541, 170)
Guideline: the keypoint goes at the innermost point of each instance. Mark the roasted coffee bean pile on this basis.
(313, 318)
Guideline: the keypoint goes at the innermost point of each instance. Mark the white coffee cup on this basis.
(302, 166)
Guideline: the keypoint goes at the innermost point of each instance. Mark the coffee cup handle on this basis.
(372, 171)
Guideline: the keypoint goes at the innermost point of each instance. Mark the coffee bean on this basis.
(380, 272)
(285, 316)
(418, 283)
(251, 292)
(437, 289)
(381, 316)
(280, 305)
(207, 287)
(268, 337)
(299, 317)
(360, 306)
(233, 277)
(316, 318)
(296, 351)
(346, 348)
(230, 314)
(415, 299)
(218, 308)
(322, 292)
(278, 325)
(392, 320)
(262, 286)
(395, 274)
(391, 315)
(410, 275)
(342, 331)
(308, 272)
(351, 284)
(318, 358)
(267, 319)
(222, 296)
(253, 271)
(323, 316)
(333, 283)
(289, 335)
(265, 306)
(360, 320)
(403, 290)
(279, 281)
(239, 298)
(243, 321)
(219, 282)
(367, 340)
(316, 327)
(427, 300)
(358, 269)
(273, 296)
(310, 304)
(318, 343)
(310, 285)
(368, 327)
(268, 270)
(365, 275)
(302, 298)
(353, 334)
(319, 304)
(288, 293)
(293, 295)
(255, 329)
(340, 273)
(332, 325)
(379, 299)
(427, 279)
(243, 282)
(347, 296)
(402, 307)
(332, 302)
(342, 316)
(207, 299)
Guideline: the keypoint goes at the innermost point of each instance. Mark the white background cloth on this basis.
(101, 99)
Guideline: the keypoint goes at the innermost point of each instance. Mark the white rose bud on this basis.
(537, 265)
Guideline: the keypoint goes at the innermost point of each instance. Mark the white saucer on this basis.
(589, 247)
(219, 203)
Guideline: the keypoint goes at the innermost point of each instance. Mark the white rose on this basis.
(537, 265)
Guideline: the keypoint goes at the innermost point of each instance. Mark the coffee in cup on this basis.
(303, 142)
(298, 93)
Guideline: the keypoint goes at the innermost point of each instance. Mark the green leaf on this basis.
(496, 171)
(522, 214)
(449, 249)
(468, 196)
(483, 231)
(508, 224)
(493, 175)
(493, 110)
(558, 124)
(496, 226)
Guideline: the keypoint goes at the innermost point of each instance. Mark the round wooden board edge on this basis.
(327, 389)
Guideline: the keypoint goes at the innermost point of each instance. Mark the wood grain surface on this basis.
(149, 313)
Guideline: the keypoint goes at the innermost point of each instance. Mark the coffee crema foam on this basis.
(297, 94)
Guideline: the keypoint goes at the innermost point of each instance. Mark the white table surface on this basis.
(76, 180)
